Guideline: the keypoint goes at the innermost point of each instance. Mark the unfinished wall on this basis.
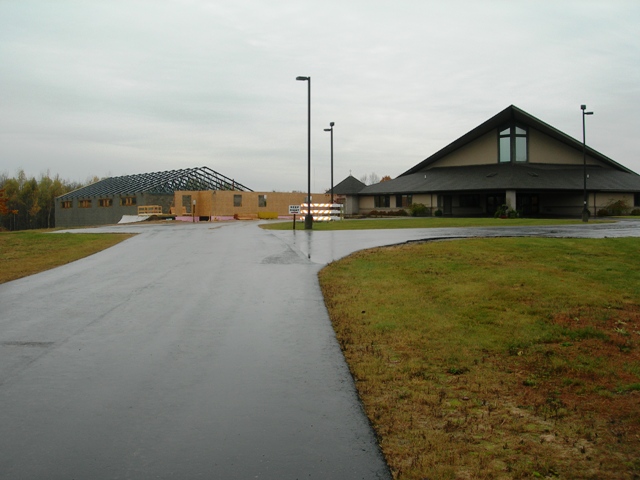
(227, 203)
(106, 210)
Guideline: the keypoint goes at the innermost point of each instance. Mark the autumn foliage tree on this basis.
(30, 202)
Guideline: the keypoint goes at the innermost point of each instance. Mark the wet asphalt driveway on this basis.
(192, 351)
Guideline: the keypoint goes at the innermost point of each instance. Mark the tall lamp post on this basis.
(331, 124)
(308, 219)
(585, 209)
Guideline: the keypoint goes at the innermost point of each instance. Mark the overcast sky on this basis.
(113, 88)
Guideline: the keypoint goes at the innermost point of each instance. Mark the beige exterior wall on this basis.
(366, 203)
(544, 149)
(428, 200)
(220, 203)
(482, 151)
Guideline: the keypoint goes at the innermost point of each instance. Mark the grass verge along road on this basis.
(27, 252)
(420, 222)
(496, 358)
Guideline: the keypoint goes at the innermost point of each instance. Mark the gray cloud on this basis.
(112, 88)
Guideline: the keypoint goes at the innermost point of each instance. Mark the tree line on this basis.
(27, 203)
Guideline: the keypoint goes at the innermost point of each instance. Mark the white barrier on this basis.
(322, 212)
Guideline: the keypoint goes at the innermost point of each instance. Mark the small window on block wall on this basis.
(382, 201)
(84, 203)
(262, 200)
(237, 200)
(127, 201)
(105, 202)
(403, 201)
(67, 203)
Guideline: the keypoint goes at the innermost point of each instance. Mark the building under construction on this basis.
(192, 194)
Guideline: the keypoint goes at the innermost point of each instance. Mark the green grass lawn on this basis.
(496, 358)
(424, 222)
(27, 252)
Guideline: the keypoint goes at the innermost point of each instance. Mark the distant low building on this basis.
(511, 159)
(346, 193)
(192, 194)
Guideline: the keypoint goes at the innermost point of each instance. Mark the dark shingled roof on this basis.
(199, 178)
(349, 186)
(508, 176)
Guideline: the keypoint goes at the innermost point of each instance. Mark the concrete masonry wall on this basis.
(220, 203)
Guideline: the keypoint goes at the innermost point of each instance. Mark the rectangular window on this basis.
(404, 201)
(186, 204)
(382, 201)
(505, 149)
(512, 144)
(237, 200)
(521, 149)
(84, 203)
(636, 200)
(528, 204)
(67, 203)
(262, 200)
(472, 200)
(105, 202)
(127, 201)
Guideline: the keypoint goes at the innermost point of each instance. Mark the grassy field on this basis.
(496, 358)
(27, 252)
(424, 222)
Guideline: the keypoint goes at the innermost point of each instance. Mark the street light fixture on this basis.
(331, 124)
(308, 219)
(585, 209)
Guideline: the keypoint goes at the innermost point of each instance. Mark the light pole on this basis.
(331, 124)
(308, 219)
(585, 209)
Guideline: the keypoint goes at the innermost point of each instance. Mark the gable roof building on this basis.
(108, 200)
(349, 186)
(514, 159)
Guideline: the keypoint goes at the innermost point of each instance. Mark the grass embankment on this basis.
(496, 358)
(424, 222)
(27, 252)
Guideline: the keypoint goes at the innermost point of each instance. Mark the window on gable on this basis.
(512, 144)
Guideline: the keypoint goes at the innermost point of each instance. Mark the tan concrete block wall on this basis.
(221, 202)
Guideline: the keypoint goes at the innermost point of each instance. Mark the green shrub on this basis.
(603, 212)
(418, 210)
(635, 211)
(388, 213)
(617, 208)
(502, 211)
(438, 213)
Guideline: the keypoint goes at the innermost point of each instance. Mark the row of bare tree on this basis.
(29, 202)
